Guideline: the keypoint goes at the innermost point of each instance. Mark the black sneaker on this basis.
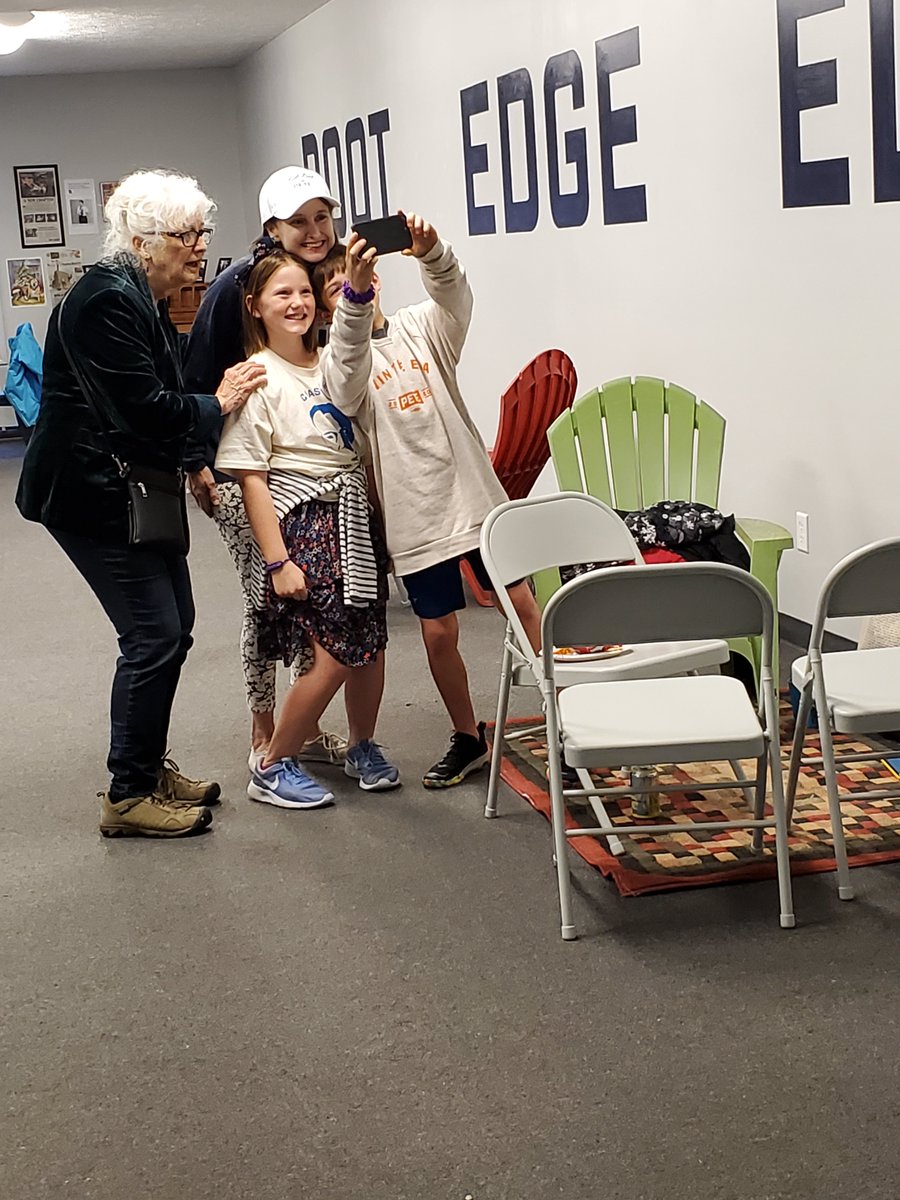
(466, 754)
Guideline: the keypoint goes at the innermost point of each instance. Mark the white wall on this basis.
(784, 319)
(101, 127)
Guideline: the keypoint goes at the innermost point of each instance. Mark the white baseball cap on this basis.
(289, 189)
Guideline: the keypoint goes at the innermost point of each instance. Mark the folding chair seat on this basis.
(853, 691)
(632, 722)
(642, 726)
(642, 662)
(863, 688)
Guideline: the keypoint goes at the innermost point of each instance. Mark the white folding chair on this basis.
(523, 537)
(853, 691)
(706, 718)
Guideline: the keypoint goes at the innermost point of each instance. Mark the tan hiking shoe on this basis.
(178, 790)
(149, 816)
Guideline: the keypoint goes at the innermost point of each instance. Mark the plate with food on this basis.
(570, 654)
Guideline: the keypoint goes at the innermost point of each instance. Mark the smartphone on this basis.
(387, 234)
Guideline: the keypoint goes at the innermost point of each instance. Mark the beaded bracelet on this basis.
(358, 297)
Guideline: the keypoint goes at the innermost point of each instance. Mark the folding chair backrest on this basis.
(525, 537)
(866, 583)
(675, 602)
(529, 535)
(535, 398)
(634, 442)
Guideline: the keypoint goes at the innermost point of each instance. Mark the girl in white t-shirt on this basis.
(321, 566)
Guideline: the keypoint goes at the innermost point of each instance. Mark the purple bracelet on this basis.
(358, 297)
(275, 566)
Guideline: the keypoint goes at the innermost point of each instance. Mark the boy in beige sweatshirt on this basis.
(397, 377)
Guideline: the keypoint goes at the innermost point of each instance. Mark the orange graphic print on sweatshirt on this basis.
(415, 397)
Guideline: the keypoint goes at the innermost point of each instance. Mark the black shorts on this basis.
(438, 591)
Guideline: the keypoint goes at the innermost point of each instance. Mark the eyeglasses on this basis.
(190, 237)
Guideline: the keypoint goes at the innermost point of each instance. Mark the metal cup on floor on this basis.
(645, 803)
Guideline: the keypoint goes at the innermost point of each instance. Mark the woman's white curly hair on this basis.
(148, 203)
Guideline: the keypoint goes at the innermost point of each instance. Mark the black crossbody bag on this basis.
(157, 511)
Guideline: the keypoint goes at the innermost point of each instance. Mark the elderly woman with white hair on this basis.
(103, 474)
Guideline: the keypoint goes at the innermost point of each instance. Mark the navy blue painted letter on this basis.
(309, 146)
(379, 124)
(814, 85)
(474, 100)
(521, 215)
(618, 127)
(355, 135)
(331, 152)
(884, 101)
(568, 208)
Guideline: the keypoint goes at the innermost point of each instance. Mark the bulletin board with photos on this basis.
(40, 211)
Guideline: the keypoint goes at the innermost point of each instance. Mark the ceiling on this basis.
(79, 36)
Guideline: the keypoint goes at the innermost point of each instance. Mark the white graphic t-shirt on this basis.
(288, 424)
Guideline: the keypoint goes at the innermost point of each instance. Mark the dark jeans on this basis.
(148, 598)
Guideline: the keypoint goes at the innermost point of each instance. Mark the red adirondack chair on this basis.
(528, 408)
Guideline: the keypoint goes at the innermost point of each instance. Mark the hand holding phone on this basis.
(361, 258)
(386, 234)
(424, 236)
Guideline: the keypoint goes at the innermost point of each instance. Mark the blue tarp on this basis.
(24, 374)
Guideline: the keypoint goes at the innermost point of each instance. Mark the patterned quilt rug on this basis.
(692, 858)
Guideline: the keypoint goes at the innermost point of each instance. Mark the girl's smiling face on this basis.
(309, 233)
(285, 305)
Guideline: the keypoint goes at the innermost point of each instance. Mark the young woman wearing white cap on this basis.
(296, 213)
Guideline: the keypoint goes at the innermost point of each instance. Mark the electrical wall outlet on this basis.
(802, 536)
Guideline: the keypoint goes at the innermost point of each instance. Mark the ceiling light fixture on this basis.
(14, 31)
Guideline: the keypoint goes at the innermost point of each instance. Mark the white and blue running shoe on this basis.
(285, 785)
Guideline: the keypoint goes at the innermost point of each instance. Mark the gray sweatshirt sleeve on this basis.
(447, 318)
(347, 359)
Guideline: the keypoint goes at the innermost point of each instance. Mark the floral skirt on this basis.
(350, 634)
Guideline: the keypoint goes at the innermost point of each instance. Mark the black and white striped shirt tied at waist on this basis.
(358, 567)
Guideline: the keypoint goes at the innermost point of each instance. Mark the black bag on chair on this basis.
(157, 510)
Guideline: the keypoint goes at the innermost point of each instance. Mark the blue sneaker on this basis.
(283, 784)
(366, 762)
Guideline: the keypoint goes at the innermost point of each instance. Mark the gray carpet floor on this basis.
(372, 1002)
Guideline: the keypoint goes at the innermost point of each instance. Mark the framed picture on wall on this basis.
(201, 274)
(107, 187)
(40, 211)
(81, 206)
(222, 265)
(64, 269)
(26, 282)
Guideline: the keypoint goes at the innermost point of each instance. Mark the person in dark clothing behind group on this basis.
(113, 390)
(296, 211)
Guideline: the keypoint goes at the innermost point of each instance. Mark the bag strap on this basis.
(86, 391)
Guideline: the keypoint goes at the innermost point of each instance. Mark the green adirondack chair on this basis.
(661, 443)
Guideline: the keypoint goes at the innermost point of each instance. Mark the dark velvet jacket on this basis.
(129, 353)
